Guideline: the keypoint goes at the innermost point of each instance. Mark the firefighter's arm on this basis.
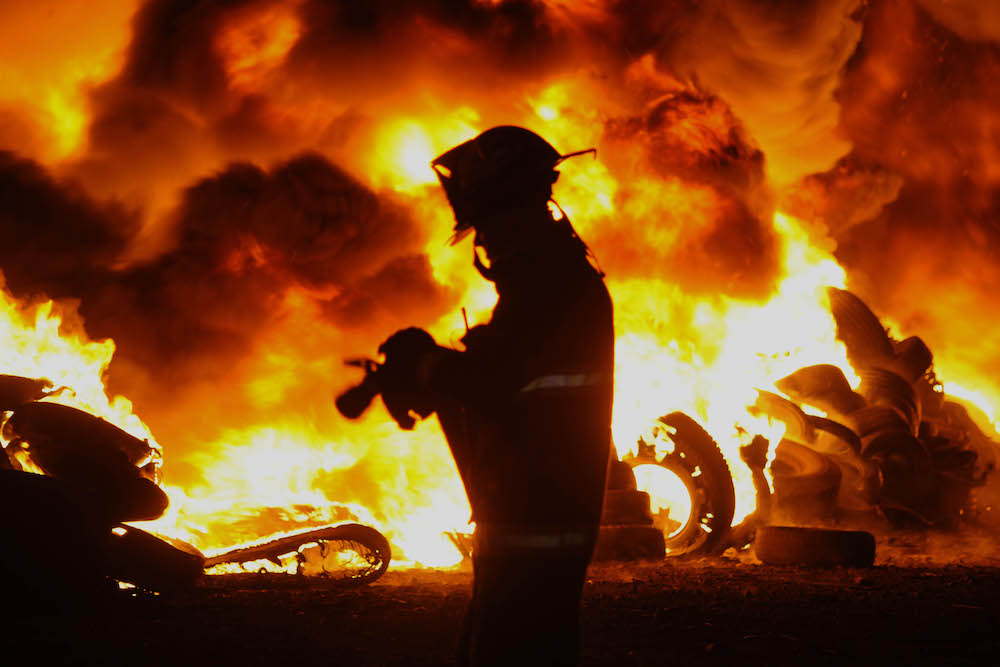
(417, 371)
(492, 364)
(401, 380)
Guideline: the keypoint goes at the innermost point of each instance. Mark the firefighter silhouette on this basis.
(526, 407)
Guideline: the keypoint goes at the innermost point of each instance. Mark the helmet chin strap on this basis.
(564, 220)
(491, 273)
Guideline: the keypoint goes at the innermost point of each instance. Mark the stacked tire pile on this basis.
(627, 531)
(680, 445)
(895, 447)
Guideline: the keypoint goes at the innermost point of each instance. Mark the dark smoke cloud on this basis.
(171, 114)
(922, 101)
(852, 193)
(691, 135)
(971, 19)
(384, 49)
(775, 62)
(174, 90)
(242, 238)
(404, 290)
(56, 239)
(19, 132)
(174, 110)
(173, 49)
(935, 271)
(140, 143)
(920, 106)
(693, 140)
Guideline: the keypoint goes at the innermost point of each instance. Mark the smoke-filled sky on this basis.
(197, 176)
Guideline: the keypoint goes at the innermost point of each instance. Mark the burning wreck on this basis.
(207, 206)
(80, 483)
(896, 454)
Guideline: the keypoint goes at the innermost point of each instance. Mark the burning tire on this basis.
(351, 552)
(859, 328)
(806, 483)
(108, 468)
(695, 458)
(147, 561)
(791, 545)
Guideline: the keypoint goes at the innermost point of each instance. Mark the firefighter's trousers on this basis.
(525, 610)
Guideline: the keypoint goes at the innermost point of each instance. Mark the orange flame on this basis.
(705, 356)
(37, 342)
(277, 465)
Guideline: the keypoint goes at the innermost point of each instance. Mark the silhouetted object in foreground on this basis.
(392, 380)
(895, 449)
(526, 407)
(16, 390)
(360, 552)
(50, 556)
(63, 541)
(106, 467)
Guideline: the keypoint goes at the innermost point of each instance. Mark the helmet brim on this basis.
(460, 233)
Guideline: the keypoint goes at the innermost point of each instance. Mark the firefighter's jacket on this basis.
(527, 407)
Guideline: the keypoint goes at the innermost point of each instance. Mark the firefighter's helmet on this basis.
(502, 167)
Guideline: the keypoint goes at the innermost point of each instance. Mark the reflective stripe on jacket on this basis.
(529, 400)
(498, 541)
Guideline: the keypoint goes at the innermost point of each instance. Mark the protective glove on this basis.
(403, 376)
(405, 353)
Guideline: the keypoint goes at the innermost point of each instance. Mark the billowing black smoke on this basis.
(242, 239)
(693, 141)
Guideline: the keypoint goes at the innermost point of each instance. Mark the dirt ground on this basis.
(923, 603)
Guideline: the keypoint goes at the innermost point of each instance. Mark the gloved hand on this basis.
(402, 378)
(405, 351)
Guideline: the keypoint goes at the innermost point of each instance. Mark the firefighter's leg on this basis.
(470, 621)
(526, 611)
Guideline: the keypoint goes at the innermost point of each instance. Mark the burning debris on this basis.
(897, 446)
(78, 479)
(677, 443)
(349, 551)
(895, 454)
(628, 529)
(98, 462)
